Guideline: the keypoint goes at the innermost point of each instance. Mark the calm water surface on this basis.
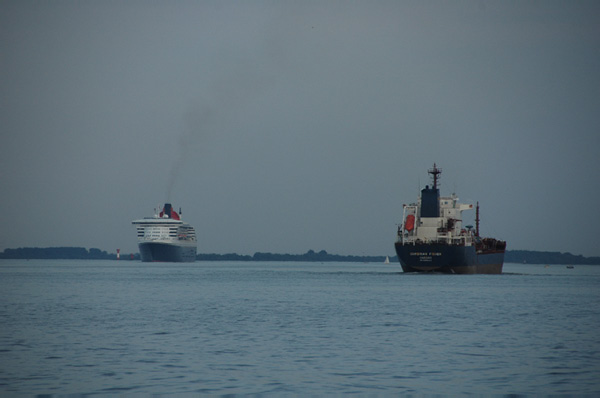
(107, 327)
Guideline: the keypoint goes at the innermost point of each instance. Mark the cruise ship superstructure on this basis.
(165, 237)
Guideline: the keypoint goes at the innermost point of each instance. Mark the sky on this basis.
(283, 127)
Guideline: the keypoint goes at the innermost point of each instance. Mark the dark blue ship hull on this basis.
(164, 252)
(449, 259)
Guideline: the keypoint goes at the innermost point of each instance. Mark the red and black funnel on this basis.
(168, 210)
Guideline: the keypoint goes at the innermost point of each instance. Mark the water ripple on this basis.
(301, 329)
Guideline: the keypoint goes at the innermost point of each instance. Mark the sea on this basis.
(122, 328)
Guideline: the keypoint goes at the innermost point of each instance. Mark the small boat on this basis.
(387, 260)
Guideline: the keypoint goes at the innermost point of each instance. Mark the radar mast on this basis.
(435, 172)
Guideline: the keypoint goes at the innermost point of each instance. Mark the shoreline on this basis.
(80, 253)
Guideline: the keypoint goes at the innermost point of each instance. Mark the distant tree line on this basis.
(533, 257)
(511, 256)
(310, 255)
(80, 253)
(63, 253)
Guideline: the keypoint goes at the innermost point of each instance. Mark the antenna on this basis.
(435, 172)
(477, 220)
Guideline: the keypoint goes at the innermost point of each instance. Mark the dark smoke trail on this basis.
(197, 124)
(244, 76)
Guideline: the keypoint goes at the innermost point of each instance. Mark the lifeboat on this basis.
(409, 224)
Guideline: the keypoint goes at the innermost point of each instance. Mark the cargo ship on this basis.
(432, 238)
(165, 237)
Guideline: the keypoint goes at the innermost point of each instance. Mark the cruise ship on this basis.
(165, 237)
(433, 239)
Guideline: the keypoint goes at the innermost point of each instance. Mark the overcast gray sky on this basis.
(286, 126)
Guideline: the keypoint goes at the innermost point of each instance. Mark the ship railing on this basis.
(152, 238)
(455, 241)
(407, 240)
(461, 241)
(443, 235)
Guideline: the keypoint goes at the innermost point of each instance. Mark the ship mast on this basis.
(435, 172)
(477, 220)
